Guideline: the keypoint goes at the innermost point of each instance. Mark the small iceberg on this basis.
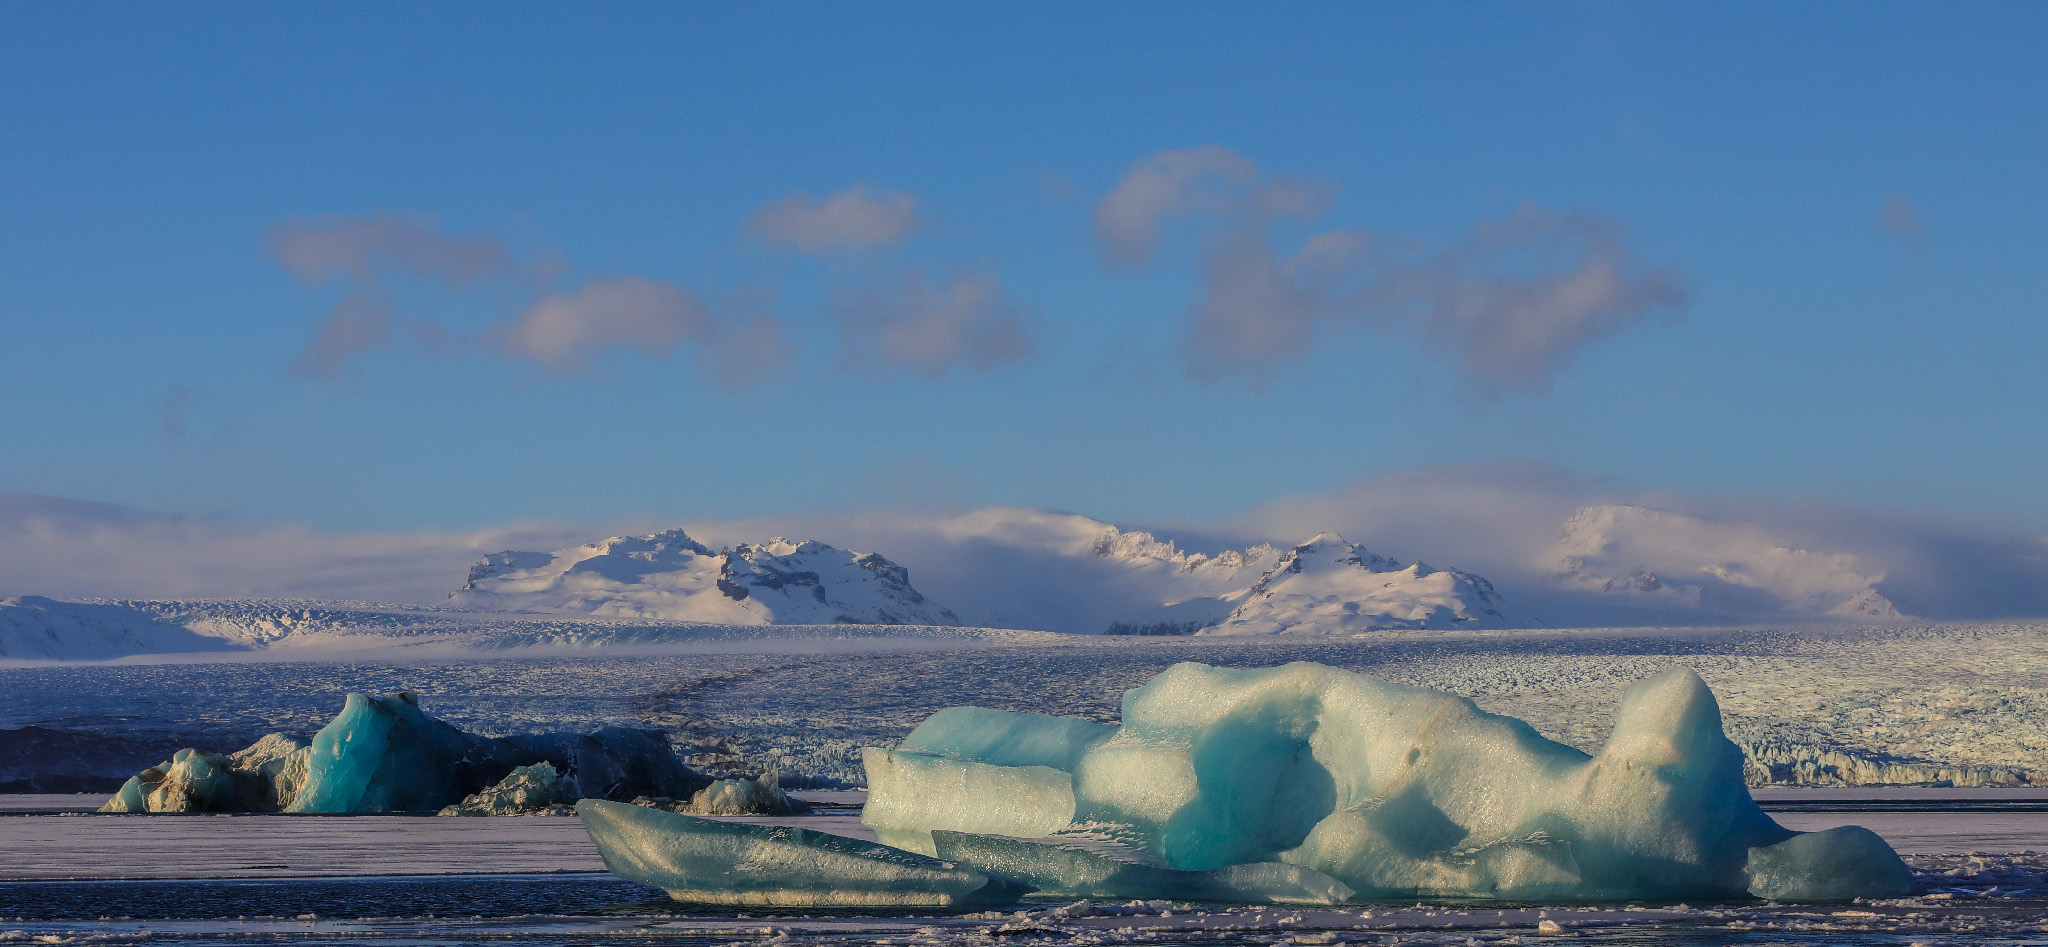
(385, 754)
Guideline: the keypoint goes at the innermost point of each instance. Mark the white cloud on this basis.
(928, 329)
(563, 331)
(359, 251)
(358, 247)
(1512, 303)
(857, 218)
(1517, 299)
(1691, 560)
(1164, 186)
(1898, 218)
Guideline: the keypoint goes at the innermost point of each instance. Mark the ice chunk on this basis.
(1391, 790)
(1074, 872)
(910, 794)
(539, 788)
(1838, 864)
(190, 781)
(1005, 738)
(759, 796)
(610, 763)
(707, 861)
(386, 755)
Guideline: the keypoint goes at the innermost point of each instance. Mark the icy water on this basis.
(73, 878)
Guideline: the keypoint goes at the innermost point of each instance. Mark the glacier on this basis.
(1298, 783)
(387, 755)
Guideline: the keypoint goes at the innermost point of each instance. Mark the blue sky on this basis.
(1828, 222)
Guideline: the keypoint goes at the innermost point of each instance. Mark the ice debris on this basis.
(1300, 783)
(528, 790)
(386, 755)
(712, 862)
(762, 795)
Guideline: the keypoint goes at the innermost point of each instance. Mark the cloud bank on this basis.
(1570, 550)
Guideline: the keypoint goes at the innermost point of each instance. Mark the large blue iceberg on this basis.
(386, 755)
(1306, 783)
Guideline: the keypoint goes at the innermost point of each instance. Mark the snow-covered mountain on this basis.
(1027, 568)
(1330, 587)
(670, 576)
(1021, 567)
(1659, 558)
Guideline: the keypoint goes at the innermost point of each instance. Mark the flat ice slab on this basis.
(712, 862)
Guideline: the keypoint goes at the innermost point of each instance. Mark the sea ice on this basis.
(707, 861)
(1390, 790)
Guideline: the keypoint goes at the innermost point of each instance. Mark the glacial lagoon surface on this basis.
(70, 877)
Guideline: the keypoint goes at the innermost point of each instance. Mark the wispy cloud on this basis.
(565, 331)
(562, 331)
(858, 218)
(1898, 218)
(1512, 302)
(358, 251)
(359, 247)
(1902, 221)
(1167, 185)
(913, 325)
(1517, 299)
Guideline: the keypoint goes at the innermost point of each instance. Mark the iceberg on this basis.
(387, 755)
(712, 862)
(1387, 790)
